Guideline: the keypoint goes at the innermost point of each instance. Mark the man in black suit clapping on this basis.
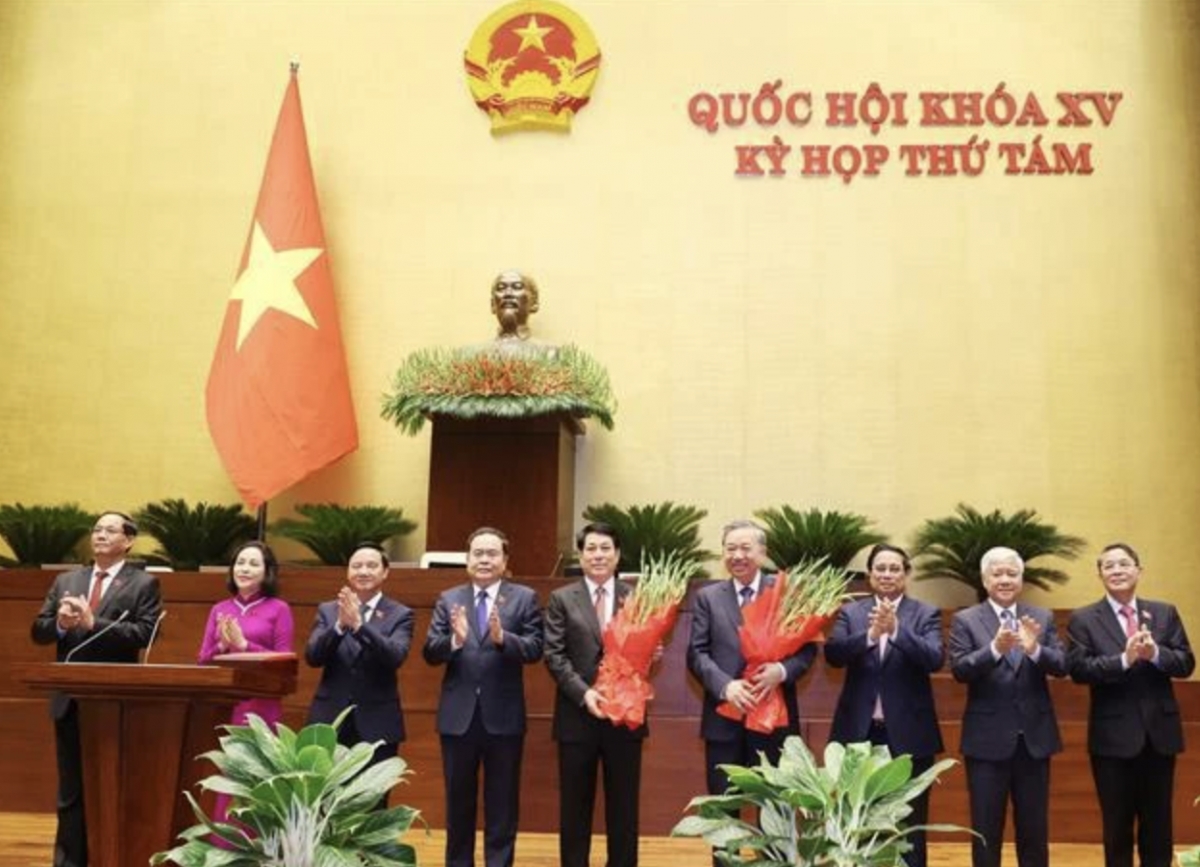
(1127, 650)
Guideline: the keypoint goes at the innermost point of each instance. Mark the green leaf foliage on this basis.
(334, 532)
(44, 534)
(952, 547)
(192, 536)
(850, 813)
(654, 532)
(795, 537)
(499, 382)
(301, 798)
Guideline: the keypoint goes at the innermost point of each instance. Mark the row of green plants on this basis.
(948, 547)
(190, 536)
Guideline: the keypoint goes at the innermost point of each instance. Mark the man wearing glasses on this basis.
(105, 612)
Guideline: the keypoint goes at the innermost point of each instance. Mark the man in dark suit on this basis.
(714, 656)
(1003, 650)
(360, 640)
(575, 620)
(484, 632)
(889, 645)
(1127, 650)
(106, 612)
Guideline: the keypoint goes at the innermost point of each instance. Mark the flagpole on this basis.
(262, 523)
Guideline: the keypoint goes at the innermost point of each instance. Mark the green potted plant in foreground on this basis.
(43, 534)
(850, 813)
(301, 800)
(334, 532)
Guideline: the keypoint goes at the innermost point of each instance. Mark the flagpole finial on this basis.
(295, 66)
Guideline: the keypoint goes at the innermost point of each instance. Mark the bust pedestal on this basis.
(517, 475)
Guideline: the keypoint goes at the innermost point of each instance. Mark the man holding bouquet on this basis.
(716, 658)
(576, 619)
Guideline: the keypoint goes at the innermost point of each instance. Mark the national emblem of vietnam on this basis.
(532, 65)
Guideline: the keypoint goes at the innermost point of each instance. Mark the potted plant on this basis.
(190, 537)
(849, 813)
(333, 532)
(795, 537)
(300, 799)
(43, 534)
(951, 547)
(654, 531)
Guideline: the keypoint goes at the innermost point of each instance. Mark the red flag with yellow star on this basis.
(278, 396)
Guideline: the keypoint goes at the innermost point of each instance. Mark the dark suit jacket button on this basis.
(478, 691)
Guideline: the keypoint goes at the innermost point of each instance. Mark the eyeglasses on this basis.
(108, 531)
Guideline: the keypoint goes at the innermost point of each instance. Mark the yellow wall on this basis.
(891, 346)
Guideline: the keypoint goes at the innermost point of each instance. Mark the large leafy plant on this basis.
(795, 537)
(300, 799)
(498, 382)
(334, 532)
(191, 536)
(43, 534)
(654, 531)
(952, 547)
(849, 813)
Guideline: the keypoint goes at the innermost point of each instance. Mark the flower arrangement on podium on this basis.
(633, 637)
(785, 616)
(499, 381)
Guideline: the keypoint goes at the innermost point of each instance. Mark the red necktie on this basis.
(1131, 624)
(97, 590)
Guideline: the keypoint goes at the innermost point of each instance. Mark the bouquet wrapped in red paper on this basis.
(787, 615)
(634, 635)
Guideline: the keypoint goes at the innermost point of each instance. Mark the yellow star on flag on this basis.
(532, 35)
(269, 283)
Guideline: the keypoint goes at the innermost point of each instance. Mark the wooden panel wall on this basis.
(674, 760)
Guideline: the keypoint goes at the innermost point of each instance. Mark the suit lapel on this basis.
(1112, 623)
(115, 588)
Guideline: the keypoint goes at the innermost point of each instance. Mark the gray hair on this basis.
(999, 555)
(760, 535)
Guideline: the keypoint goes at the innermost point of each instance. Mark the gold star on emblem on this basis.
(531, 35)
(269, 283)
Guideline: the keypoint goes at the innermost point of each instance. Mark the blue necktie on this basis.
(1014, 655)
(481, 613)
(747, 594)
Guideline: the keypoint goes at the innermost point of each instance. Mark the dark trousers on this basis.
(70, 841)
(920, 804)
(1136, 791)
(1027, 781)
(348, 736)
(500, 758)
(578, 761)
(743, 751)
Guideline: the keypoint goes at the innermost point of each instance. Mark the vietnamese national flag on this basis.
(278, 396)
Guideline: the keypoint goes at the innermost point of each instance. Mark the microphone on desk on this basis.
(153, 635)
(81, 645)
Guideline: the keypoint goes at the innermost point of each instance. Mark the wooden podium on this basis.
(517, 475)
(141, 728)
